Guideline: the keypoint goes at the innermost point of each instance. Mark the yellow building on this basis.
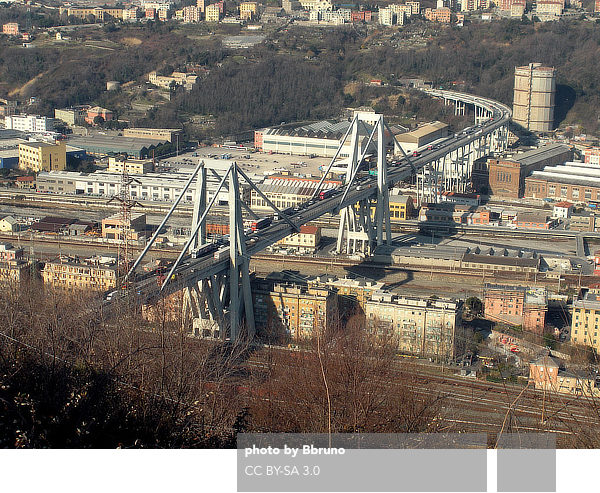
(308, 239)
(41, 156)
(545, 373)
(290, 310)
(212, 13)
(585, 321)
(248, 10)
(401, 208)
(72, 274)
(130, 166)
(422, 326)
(112, 227)
(13, 272)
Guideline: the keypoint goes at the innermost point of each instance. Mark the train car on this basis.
(325, 194)
(260, 223)
(203, 250)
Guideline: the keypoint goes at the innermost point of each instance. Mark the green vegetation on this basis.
(302, 73)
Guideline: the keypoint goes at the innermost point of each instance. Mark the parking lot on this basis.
(255, 162)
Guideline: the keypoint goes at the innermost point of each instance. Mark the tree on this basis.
(98, 120)
(474, 305)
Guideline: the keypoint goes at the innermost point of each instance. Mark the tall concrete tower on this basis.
(533, 106)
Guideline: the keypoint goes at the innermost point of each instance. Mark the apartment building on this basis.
(307, 240)
(42, 156)
(290, 310)
(415, 7)
(99, 13)
(422, 326)
(72, 273)
(439, 15)
(72, 116)
(9, 253)
(586, 319)
(248, 10)
(517, 305)
(29, 123)
(386, 17)
(185, 80)
(191, 14)
(10, 28)
(212, 13)
(546, 374)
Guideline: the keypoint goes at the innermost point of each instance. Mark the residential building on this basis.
(121, 165)
(25, 182)
(572, 181)
(402, 12)
(285, 192)
(72, 116)
(307, 240)
(10, 28)
(185, 80)
(291, 311)
(401, 207)
(439, 15)
(131, 14)
(517, 8)
(352, 292)
(470, 199)
(534, 92)
(14, 272)
(549, 7)
(98, 13)
(506, 177)
(72, 273)
(97, 112)
(9, 253)
(191, 14)
(517, 305)
(386, 16)
(415, 7)
(361, 16)
(248, 10)
(42, 156)
(422, 326)
(29, 123)
(201, 4)
(562, 210)
(546, 374)
(212, 13)
(585, 320)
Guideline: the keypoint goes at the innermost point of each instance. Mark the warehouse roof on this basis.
(536, 155)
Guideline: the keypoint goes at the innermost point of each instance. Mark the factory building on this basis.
(506, 177)
(102, 145)
(422, 326)
(316, 139)
(573, 181)
(287, 192)
(425, 134)
(533, 106)
(158, 187)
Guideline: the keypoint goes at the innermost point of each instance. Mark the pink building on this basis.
(92, 113)
(10, 28)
